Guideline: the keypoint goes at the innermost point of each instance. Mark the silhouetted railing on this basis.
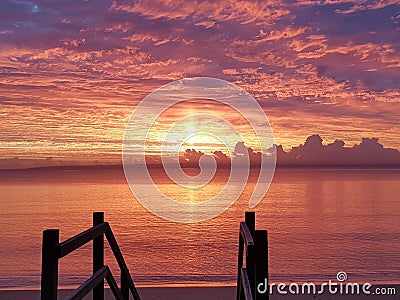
(53, 250)
(254, 245)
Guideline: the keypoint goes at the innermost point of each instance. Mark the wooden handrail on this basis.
(252, 242)
(114, 286)
(246, 234)
(95, 279)
(82, 238)
(53, 250)
(89, 284)
(121, 262)
(246, 285)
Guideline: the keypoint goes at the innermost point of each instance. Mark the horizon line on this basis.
(223, 167)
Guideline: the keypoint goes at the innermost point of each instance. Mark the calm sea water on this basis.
(320, 222)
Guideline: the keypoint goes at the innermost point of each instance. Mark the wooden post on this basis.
(98, 256)
(124, 286)
(261, 253)
(49, 264)
(250, 219)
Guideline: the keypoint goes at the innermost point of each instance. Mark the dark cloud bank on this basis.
(313, 153)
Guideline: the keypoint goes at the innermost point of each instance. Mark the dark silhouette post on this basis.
(98, 256)
(261, 253)
(250, 219)
(49, 280)
(124, 286)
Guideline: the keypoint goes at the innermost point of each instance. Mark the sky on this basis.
(72, 72)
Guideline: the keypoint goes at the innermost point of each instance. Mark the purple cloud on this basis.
(313, 153)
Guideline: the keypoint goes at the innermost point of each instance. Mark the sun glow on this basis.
(201, 141)
(201, 125)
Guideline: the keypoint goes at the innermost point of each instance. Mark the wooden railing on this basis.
(53, 250)
(253, 251)
(253, 244)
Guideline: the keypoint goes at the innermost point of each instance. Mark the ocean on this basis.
(319, 221)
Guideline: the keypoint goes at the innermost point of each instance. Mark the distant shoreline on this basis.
(154, 167)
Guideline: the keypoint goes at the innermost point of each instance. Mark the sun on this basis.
(201, 141)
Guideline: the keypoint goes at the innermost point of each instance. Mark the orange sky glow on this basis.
(71, 73)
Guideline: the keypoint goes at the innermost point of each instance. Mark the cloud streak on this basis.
(71, 72)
